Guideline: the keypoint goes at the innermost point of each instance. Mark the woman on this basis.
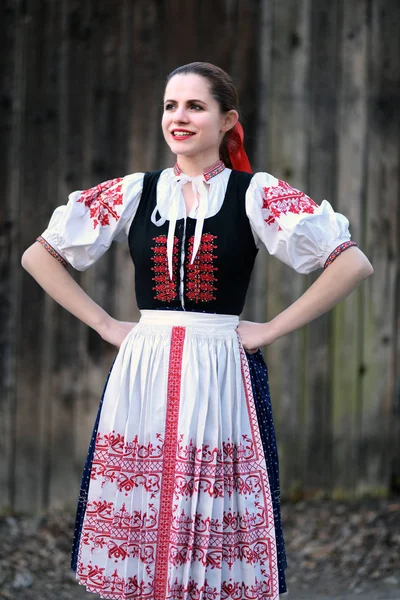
(180, 493)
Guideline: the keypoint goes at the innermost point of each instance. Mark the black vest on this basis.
(217, 281)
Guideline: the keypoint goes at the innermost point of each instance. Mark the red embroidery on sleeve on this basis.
(341, 248)
(201, 278)
(282, 199)
(102, 200)
(165, 289)
(51, 250)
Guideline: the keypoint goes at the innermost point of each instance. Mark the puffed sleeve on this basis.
(82, 230)
(293, 227)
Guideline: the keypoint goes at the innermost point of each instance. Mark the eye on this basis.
(196, 107)
(169, 106)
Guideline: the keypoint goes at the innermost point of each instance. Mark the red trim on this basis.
(271, 576)
(208, 173)
(51, 250)
(341, 248)
(170, 446)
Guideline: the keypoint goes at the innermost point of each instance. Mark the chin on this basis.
(179, 151)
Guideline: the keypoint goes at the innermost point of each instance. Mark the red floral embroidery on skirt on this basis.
(102, 200)
(201, 279)
(283, 198)
(165, 289)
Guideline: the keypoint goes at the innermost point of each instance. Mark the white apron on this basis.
(179, 504)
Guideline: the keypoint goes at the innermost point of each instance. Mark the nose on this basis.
(180, 115)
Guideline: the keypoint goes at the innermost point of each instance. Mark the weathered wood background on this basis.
(81, 97)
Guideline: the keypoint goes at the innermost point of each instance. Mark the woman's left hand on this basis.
(254, 335)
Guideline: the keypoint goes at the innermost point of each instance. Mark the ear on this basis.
(229, 120)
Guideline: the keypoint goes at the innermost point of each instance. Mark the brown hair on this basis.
(222, 89)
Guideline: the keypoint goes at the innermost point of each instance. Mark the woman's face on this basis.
(192, 122)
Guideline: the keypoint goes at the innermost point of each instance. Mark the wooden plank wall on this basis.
(82, 85)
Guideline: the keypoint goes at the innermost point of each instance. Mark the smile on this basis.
(181, 134)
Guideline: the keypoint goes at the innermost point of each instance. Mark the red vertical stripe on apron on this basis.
(168, 477)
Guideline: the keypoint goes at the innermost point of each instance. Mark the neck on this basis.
(196, 165)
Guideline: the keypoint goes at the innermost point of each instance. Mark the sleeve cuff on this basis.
(51, 250)
(338, 250)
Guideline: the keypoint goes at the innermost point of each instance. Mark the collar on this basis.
(207, 173)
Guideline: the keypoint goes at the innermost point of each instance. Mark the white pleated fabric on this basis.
(179, 505)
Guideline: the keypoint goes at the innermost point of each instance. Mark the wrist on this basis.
(102, 323)
(270, 332)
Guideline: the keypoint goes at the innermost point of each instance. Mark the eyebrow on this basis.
(188, 101)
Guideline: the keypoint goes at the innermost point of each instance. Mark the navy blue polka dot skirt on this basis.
(262, 400)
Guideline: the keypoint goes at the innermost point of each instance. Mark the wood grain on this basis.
(319, 85)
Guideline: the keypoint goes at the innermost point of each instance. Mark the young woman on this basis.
(180, 493)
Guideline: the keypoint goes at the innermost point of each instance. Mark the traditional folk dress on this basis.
(180, 493)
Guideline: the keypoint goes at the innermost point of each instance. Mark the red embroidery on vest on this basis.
(200, 285)
(102, 200)
(165, 288)
(283, 198)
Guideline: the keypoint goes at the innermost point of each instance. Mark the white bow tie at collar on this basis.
(173, 208)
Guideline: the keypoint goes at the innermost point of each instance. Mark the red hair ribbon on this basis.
(236, 151)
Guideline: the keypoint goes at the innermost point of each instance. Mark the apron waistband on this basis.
(176, 318)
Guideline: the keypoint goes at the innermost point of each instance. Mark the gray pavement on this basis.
(371, 591)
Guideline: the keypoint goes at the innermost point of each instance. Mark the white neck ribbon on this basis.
(176, 209)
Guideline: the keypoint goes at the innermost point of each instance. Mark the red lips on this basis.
(182, 131)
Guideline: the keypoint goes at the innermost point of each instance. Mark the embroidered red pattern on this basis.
(272, 573)
(126, 534)
(135, 534)
(341, 248)
(283, 198)
(51, 250)
(116, 461)
(168, 478)
(113, 586)
(208, 173)
(201, 279)
(167, 533)
(102, 201)
(233, 590)
(165, 289)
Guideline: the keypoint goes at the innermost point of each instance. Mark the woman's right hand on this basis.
(114, 332)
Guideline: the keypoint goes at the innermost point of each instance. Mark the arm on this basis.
(336, 282)
(59, 284)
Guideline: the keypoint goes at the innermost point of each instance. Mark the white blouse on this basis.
(291, 225)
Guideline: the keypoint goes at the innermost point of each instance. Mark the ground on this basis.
(336, 551)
